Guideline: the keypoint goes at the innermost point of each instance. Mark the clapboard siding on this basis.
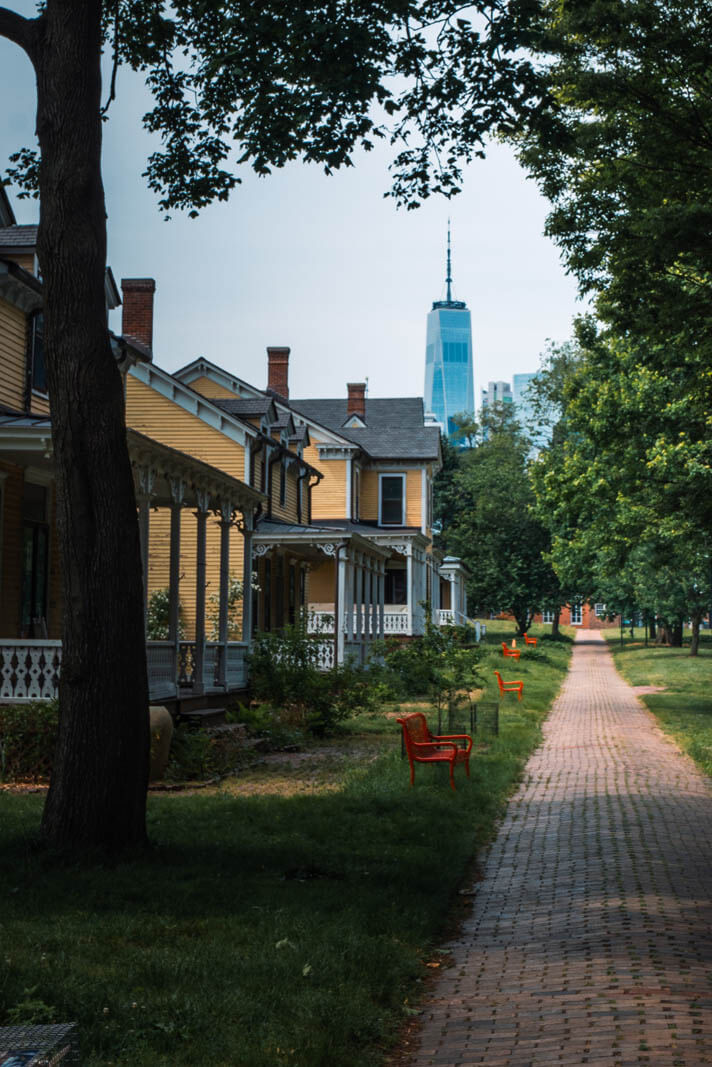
(209, 388)
(158, 417)
(329, 496)
(13, 347)
(159, 561)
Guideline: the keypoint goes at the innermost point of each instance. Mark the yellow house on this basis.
(166, 478)
(377, 460)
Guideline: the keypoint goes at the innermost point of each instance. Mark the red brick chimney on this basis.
(278, 371)
(137, 313)
(356, 404)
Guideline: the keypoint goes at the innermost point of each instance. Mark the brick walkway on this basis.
(590, 939)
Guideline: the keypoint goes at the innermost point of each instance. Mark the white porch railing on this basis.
(29, 669)
(394, 622)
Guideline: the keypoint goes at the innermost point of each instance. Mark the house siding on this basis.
(208, 388)
(13, 348)
(158, 417)
(329, 496)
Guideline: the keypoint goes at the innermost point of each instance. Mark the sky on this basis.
(325, 265)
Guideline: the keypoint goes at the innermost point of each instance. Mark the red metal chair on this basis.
(510, 653)
(424, 747)
(529, 640)
(510, 687)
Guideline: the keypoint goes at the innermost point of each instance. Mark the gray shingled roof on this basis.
(18, 236)
(394, 426)
(248, 407)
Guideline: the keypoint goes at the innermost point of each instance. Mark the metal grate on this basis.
(39, 1046)
(484, 719)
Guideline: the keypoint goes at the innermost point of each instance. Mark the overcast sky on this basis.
(325, 265)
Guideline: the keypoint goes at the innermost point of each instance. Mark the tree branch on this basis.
(18, 29)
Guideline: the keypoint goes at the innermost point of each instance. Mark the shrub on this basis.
(285, 675)
(28, 733)
(157, 616)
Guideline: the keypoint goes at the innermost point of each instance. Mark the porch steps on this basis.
(204, 718)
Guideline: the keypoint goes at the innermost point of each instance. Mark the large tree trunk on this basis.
(97, 795)
(555, 632)
(695, 642)
(676, 634)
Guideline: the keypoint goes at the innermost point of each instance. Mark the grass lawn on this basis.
(285, 917)
(684, 708)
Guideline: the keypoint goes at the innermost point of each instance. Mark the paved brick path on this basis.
(590, 939)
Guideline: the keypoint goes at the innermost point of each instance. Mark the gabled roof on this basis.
(394, 426)
(18, 237)
(250, 407)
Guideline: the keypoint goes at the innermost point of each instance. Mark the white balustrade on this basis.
(29, 670)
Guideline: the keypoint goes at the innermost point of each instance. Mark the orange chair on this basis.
(424, 747)
(529, 640)
(510, 687)
(510, 653)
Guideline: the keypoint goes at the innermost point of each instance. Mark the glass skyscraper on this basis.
(449, 378)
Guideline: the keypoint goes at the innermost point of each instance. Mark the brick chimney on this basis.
(137, 313)
(356, 404)
(278, 371)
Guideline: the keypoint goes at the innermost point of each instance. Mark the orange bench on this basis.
(424, 747)
(510, 687)
(511, 653)
(529, 640)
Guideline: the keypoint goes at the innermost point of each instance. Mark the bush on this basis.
(157, 616)
(284, 674)
(28, 733)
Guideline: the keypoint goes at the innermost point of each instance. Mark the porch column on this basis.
(382, 599)
(247, 530)
(339, 615)
(201, 515)
(226, 511)
(177, 486)
(146, 476)
(409, 586)
(375, 598)
(358, 585)
(349, 599)
(369, 600)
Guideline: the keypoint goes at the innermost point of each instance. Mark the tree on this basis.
(493, 527)
(625, 487)
(623, 150)
(279, 82)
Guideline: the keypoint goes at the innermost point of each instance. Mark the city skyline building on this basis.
(449, 373)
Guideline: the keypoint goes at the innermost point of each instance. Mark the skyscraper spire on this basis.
(448, 279)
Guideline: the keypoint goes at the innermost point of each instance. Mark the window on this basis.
(599, 610)
(395, 586)
(37, 372)
(547, 616)
(576, 614)
(391, 510)
(35, 560)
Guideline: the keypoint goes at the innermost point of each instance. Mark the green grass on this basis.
(260, 929)
(684, 710)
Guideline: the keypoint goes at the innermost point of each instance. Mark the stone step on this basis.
(202, 718)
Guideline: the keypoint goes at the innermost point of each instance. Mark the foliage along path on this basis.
(590, 939)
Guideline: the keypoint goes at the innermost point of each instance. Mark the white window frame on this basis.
(391, 474)
(599, 610)
(578, 608)
(547, 616)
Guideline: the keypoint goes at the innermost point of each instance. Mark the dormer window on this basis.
(354, 422)
(391, 500)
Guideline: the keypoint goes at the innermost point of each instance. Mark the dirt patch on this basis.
(642, 690)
